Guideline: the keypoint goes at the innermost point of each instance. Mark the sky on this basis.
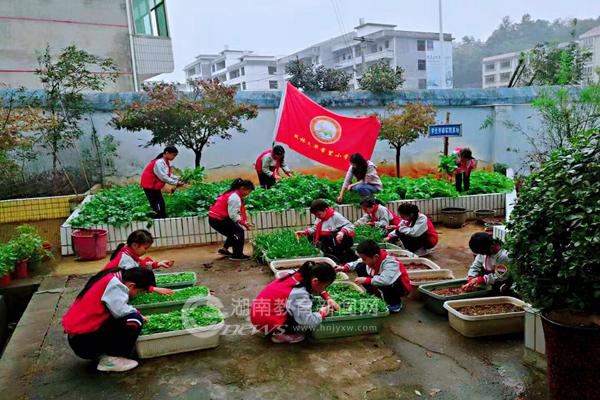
(280, 27)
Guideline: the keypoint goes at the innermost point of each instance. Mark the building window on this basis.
(273, 85)
(421, 65)
(490, 67)
(190, 72)
(243, 85)
(243, 71)
(420, 45)
(222, 78)
(505, 64)
(272, 70)
(220, 65)
(212, 68)
(150, 18)
(505, 77)
(386, 44)
(422, 83)
(234, 74)
(490, 79)
(430, 45)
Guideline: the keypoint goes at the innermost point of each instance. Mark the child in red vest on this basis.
(490, 266)
(154, 177)
(332, 232)
(100, 323)
(416, 231)
(377, 215)
(129, 255)
(283, 309)
(267, 166)
(380, 274)
(466, 163)
(228, 217)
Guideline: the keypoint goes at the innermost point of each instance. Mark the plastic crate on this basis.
(176, 285)
(270, 260)
(382, 245)
(165, 343)
(438, 274)
(292, 263)
(485, 325)
(435, 303)
(167, 306)
(349, 325)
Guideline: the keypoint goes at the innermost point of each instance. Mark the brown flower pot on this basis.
(573, 357)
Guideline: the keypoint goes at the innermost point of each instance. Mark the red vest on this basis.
(149, 179)
(465, 166)
(403, 274)
(268, 312)
(220, 211)
(258, 164)
(395, 219)
(116, 262)
(88, 313)
(432, 235)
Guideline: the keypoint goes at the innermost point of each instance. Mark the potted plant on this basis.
(34, 244)
(27, 247)
(553, 238)
(7, 263)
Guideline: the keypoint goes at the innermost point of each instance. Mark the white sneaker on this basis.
(116, 364)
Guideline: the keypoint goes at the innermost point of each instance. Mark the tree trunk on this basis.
(398, 161)
(198, 154)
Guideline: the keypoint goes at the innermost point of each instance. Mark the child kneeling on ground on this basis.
(378, 215)
(283, 309)
(416, 231)
(332, 232)
(100, 323)
(490, 266)
(380, 274)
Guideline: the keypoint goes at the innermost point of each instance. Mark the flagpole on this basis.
(279, 110)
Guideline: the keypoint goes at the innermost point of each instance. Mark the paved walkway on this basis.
(416, 356)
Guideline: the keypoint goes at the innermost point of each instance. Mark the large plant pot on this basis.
(454, 217)
(5, 280)
(573, 357)
(480, 215)
(90, 244)
(20, 271)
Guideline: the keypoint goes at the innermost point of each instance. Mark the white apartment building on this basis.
(591, 40)
(496, 71)
(418, 53)
(240, 68)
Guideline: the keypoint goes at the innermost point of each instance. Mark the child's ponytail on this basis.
(141, 237)
(310, 269)
(239, 183)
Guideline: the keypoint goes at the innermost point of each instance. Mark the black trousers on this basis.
(157, 202)
(266, 181)
(233, 232)
(412, 243)
(341, 252)
(116, 337)
(391, 294)
(460, 179)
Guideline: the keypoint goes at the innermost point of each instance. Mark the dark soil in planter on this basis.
(487, 309)
(450, 291)
(421, 280)
(413, 266)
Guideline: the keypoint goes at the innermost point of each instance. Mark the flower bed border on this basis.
(186, 231)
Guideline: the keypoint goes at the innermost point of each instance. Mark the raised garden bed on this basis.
(361, 313)
(295, 263)
(400, 253)
(486, 316)
(154, 303)
(418, 278)
(174, 280)
(180, 331)
(447, 290)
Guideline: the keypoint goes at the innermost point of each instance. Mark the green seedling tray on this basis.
(177, 285)
(167, 306)
(435, 303)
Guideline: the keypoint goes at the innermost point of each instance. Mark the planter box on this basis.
(280, 273)
(166, 306)
(185, 231)
(165, 343)
(421, 260)
(290, 263)
(535, 342)
(401, 253)
(439, 274)
(383, 245)
(485, 325)
(435, 303)
(350, 325)
(176, 285)
(268, 260)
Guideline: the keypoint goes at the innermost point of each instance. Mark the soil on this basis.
(450, 291)
(413, 266)
(487, 309)
(420, 280)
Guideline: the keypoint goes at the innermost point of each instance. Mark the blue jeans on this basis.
(366, 189)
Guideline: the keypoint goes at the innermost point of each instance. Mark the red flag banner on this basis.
(322, 135)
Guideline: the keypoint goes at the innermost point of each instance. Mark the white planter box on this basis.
(420, 260)
(185, 231)
(290, 264)
(401, 253)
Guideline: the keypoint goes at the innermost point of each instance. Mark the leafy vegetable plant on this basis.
(367, 232)
(174, 320)
(489, 182)
(162, 279)
(282, 244)
(447, 164)
(180, 294)
(352, 301)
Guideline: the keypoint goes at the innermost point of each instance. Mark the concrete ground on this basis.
(417, 355)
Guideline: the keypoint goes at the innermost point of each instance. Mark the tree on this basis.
(380, 77)
(193, 122)
(312, 79)
(401, 128)
(64, 80)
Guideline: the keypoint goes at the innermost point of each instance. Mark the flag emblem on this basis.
(325, 129)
